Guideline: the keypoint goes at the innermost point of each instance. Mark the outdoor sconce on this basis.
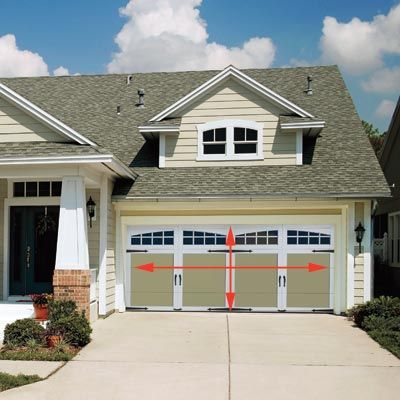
(91, 209)
(359, 234)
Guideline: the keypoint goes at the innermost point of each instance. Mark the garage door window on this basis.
(258, 238)
(160, 238)
(306, 237)
(202, 238)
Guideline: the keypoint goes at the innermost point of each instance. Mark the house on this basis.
(387, 217)
(106, 178)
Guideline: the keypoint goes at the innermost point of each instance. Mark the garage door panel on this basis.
(308, 289)
(152, 288)
(204, 287)
(256, 288)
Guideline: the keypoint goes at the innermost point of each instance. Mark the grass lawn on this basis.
(8, 381)
(38, 354)
(390, 340)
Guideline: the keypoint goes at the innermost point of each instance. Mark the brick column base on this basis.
(73, 284)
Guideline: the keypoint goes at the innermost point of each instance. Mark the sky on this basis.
(60, 37)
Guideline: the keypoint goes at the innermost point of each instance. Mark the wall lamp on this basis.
(360, 230)
(91, 209)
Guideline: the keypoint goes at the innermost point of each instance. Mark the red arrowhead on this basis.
(230, 239)
(230, 296)
(146, 267)
(315, 267)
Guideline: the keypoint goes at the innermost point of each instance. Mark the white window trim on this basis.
(229, 124)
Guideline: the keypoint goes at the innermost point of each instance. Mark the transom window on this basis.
(37, 189)
(258, 238)
(230, 140)
(159, 238)
(203, 238)
(306, 237)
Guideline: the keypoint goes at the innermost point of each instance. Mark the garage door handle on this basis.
(284, 281)
(180, 280)
(279, 281)
(175, 279)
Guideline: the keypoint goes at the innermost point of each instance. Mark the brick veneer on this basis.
(73, 284)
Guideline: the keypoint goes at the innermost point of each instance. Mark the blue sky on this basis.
(80, 37)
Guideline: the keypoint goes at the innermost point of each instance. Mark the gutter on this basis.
(115, 164)
(309, 196)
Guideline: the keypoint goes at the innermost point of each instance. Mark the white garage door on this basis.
(274, 268)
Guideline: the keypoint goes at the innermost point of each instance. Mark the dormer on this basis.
(231, 120)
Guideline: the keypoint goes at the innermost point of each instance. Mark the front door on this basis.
(33, 244)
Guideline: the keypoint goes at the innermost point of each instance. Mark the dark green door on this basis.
(33, 244)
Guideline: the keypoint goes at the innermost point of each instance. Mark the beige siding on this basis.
(94, 236)
(359, 259)
(110, 272)
(231, 101)
(3, 195)
(17, 126)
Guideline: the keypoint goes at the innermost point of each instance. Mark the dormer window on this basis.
(230, 140)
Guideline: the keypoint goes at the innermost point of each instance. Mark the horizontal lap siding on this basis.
(94, 236)
(233, 101)
(18, 126)
(359, 258)
(3, 195)
(110, 262)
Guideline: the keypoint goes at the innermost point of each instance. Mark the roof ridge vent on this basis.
(140, 103)
(129, 79)
(309, 90)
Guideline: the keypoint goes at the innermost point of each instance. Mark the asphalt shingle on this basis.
(342, 162)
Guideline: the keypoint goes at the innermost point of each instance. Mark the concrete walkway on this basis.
(40, 368)
(192, 356)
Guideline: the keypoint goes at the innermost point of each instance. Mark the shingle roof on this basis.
(284, 119)
(342, 161)
(46, 149)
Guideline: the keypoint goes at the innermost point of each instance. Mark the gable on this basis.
(231, 100)
(17, 125)
(231, 73)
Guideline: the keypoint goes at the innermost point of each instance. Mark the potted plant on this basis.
(53, 335)
(40, 303)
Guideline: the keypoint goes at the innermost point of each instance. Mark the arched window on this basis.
(230, 140)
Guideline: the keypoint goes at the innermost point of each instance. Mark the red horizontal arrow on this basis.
(311, 267)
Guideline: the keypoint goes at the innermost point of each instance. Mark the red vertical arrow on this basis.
(230, 242)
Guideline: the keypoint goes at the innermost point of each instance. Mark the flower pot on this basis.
(53, 340)
(41, 311)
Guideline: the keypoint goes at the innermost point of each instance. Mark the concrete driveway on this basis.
(221, 356)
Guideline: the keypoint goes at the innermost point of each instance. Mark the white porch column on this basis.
(72, 243)
(71, 280)
(103, 211)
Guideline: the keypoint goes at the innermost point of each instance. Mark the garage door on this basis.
(273, 268)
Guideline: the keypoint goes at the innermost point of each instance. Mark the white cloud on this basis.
(359, 46)
(170, 35)
(16, 62)
(385, 80)
(61, 71)
(385, 109)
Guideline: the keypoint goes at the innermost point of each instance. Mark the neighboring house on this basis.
(387, 218)
(171, 161)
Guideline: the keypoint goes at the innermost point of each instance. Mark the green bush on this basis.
(374, 323)
(22, 332)
(74, 329)
(383, 307)
(59, 309)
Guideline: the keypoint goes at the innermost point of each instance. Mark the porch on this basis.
(48, 241)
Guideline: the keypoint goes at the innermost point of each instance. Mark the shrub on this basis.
(74, 329)
(384, 307)
(373, 323)
(59, 309)
(22, 332)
